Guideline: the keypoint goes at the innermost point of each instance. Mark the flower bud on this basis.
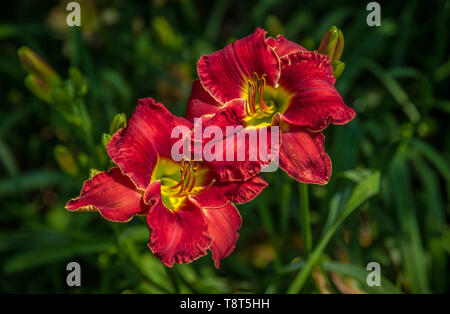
(118, 122)
(338, 68)
(339, 47)
(78, 81)
(83, 159)
(105, 139)
(39, 88)
(274, 25)
(59, 96)
(65, 160)
(34, 64)
(93, 172)
(165, 33)
(332, 44)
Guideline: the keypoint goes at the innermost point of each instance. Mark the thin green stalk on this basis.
(305, 217)
(86, 126)
(268, 225)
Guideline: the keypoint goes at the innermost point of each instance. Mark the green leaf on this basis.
(7, 159)
(356, 175)
(360, 274)
(363, 191)
(395, 89)
(55, 252)
(416, 272)
(438, 160)
(33, 180)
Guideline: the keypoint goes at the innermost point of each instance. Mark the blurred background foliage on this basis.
(396, 78)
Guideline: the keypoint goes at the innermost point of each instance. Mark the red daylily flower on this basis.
(188, 208)
(282, 84)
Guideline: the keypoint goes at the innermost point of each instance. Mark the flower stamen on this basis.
(188, 180)
(255, 88)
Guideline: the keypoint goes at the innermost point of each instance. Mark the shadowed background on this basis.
(396, 79)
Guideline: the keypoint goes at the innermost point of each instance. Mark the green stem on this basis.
(305, 217)
(268, 225)
(86, 126)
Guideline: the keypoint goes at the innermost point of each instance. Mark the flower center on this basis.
(185, 186)
(180, 180)
(263, 101)
(255, 106)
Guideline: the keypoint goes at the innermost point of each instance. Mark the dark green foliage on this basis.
(396, 77)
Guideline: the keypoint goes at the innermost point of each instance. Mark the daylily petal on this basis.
(224, 73)
(283, 47)
(238, 192)
(303, 157)
(230, 171)
(135, 149)
(180, 236)
(200, 102)
(251, 150)
(241, 192)
(223, 224)
(247, 161)
(230, 115)
(113, 194)
(315, 102)
(152, 194)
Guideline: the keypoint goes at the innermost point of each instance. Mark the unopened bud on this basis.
(59, 95)
(63, 95)
(332, 44)
(338, 68)
(39, 88)
(65, 160)
(274, 25)
(93, 172)
(118, 122)
(105, 139)
(78, 81)
(165, 32)
(34, 64)
(339, 47)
